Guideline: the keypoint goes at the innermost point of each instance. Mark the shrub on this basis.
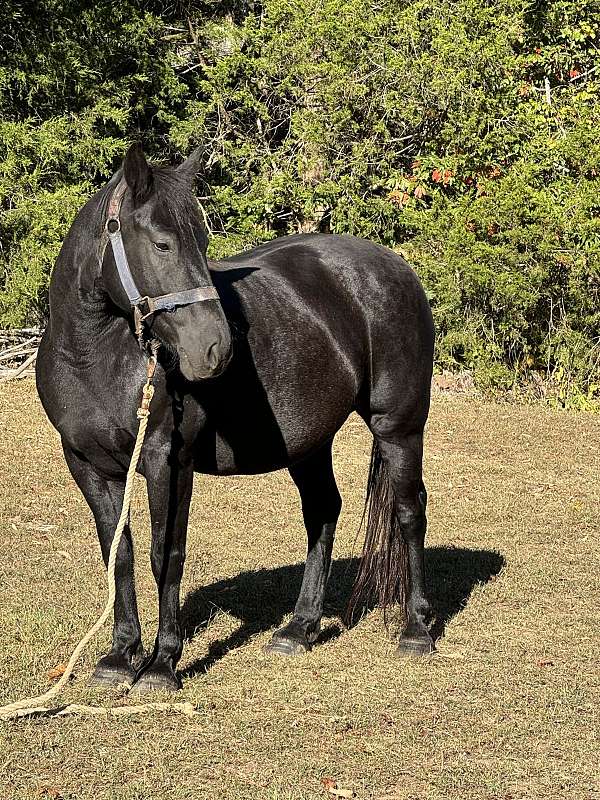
(461, 133)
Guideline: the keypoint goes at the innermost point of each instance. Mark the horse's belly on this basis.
(249, 442)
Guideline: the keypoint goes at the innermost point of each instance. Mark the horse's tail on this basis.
(383, 571)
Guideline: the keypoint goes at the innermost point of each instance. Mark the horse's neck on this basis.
(81, 324)
(81, 318)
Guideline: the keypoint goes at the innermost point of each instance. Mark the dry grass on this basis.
(508, 709)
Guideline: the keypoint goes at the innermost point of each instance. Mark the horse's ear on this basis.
(138, 174)
(191, 166)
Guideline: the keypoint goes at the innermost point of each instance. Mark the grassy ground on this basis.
(508, 709)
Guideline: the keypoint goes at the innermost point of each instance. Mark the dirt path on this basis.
(508, 709)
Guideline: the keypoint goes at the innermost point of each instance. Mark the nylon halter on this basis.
(144, 306)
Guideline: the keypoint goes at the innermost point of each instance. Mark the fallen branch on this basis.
(15, 352)
(18, 352)
(19, 372)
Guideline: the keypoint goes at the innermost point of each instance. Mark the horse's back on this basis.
(349, 258)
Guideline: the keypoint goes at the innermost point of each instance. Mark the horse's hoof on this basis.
(294, 639)
(113, 672)
(156, 679)
(286, 646)
(415, 646)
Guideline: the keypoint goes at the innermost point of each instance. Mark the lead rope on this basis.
(34, 706)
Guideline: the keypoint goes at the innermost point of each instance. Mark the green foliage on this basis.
(76, 81)
(462, 133)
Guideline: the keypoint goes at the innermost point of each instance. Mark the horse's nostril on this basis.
(212, 355)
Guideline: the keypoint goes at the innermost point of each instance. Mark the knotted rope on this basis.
(34, 706)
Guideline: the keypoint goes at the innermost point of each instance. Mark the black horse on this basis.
(303, 331)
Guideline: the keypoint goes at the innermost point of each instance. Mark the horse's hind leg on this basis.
(105, 498)
(321, 504)
(403, 458)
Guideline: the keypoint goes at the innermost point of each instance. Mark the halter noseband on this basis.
(144, 306)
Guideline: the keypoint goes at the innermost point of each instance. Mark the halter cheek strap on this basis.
(144, 306)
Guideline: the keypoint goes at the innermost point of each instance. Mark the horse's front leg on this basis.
(169, 494)
(105, 498)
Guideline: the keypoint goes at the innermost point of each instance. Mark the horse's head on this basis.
(165, 244)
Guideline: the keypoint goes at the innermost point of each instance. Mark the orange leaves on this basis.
(399, 197)
(56, 672)
(407, 188)
(491, 229)
(415, 186)
(50, 792)
(443, 177)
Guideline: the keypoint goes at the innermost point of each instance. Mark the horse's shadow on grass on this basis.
(261, 598)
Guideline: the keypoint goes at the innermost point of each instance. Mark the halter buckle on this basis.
(145, 308)
(113, 225)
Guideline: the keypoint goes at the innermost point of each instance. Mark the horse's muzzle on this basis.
(209, 362)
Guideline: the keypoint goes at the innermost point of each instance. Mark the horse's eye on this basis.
(162, 246)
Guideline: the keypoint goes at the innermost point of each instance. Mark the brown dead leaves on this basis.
(56, 673)
(331, 787)
(50, 793)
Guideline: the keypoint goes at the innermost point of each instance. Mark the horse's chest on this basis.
(93, 420)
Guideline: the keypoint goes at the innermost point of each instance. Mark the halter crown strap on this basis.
(144, 306)
(113, 228)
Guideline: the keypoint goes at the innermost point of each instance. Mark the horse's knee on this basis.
(159, 553)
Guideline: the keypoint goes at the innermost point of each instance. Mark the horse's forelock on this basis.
(175, 202)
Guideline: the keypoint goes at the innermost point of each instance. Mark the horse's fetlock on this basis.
(418, 608)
